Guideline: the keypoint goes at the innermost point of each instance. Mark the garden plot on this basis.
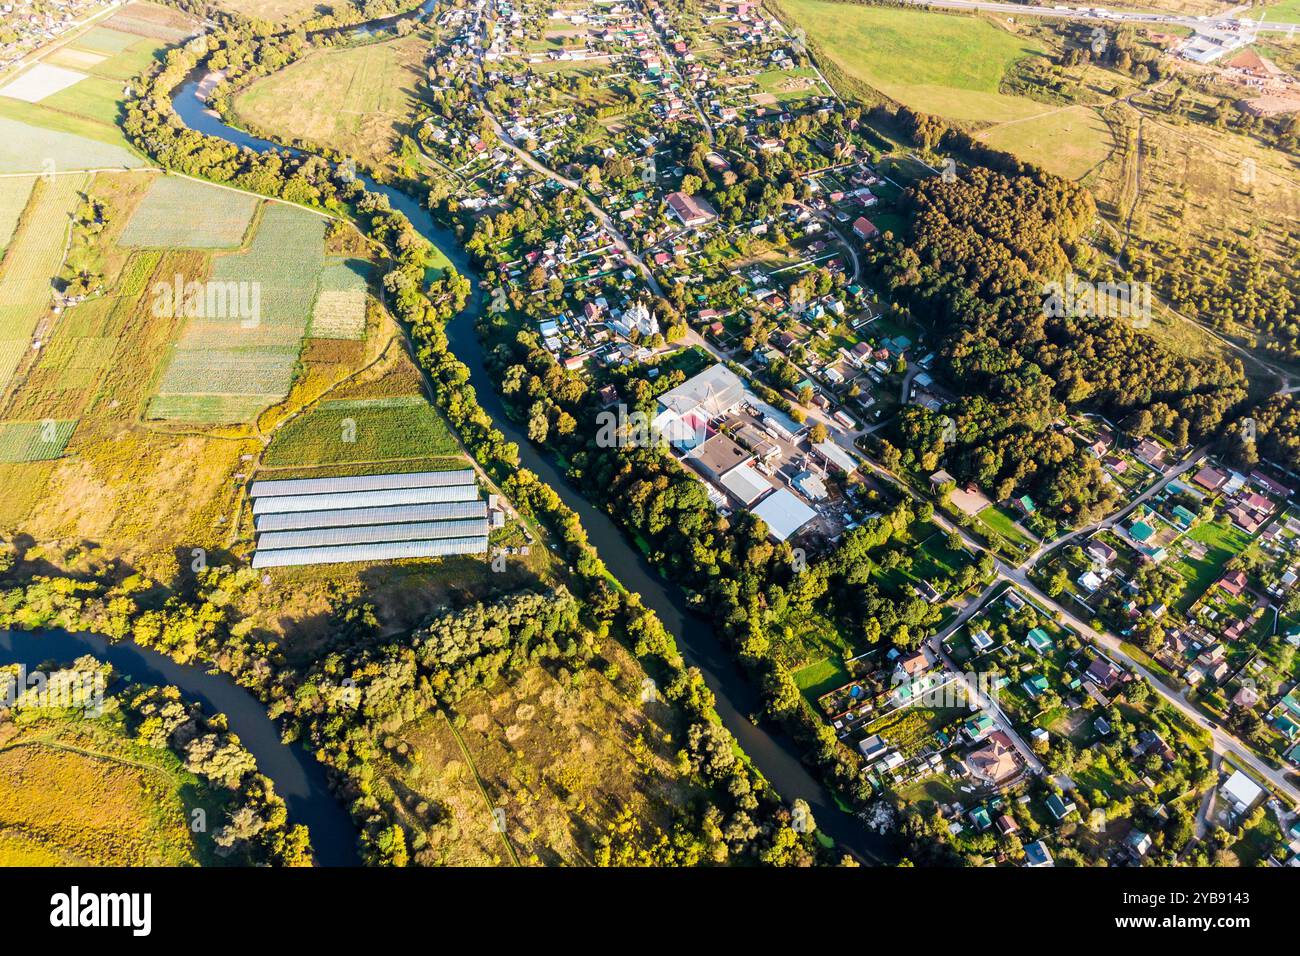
(340, 310)
(182, 214)
(40, 81)
(34, 441)
(234, 365)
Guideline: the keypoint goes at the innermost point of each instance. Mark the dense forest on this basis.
(976, 265)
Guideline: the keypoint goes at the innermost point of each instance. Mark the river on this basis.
(774, 754)
(298, 778)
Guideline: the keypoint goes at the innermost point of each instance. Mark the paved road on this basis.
(1222, 742)
(1118, 516)
(985, 703)
(671, 62)
(1085, 13)
(528, 159)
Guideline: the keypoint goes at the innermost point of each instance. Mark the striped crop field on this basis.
(14, 193)
(149, 20)
(34, 441)
(241, 359)
(30, 263)
(340, 310)
(32, 137)
(105, 40)
(362, 430)
(179, 213)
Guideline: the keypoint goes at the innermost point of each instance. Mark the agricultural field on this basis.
(354, 100)
(31, 261)
(39, 81)
(273, 11)
(152, 20)
(1071, 142)
(14, 193)
(77, 792)
(76, 91)
(1197, 184)
(237, 356)
(139, 486)
(183, 214)
(34, 441)
(65, 143)
(340, 309)
(362, 430)
(950, 66)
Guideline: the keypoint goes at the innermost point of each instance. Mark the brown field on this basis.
(356, 100)
(559, 761)
(275, 11)
(76, 793)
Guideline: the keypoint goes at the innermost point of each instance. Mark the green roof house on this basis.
(978, 727)
(1291, 704)
(1035, 686)
(1140, 530)
(1287, 727)
(1039, 640)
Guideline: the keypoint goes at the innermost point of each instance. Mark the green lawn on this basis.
(947, 65)
(1003, 525)
(1287, 11)
(1223, 543)
(820, 677)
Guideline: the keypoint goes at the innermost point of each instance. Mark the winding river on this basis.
(297, 776)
